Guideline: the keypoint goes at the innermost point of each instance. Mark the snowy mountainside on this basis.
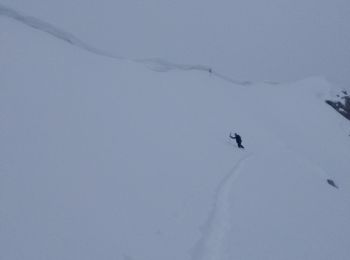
(106, 159)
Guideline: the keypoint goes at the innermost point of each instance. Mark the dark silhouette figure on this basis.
(332, 183)
(238, 139)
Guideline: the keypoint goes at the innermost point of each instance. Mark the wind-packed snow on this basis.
(106, 159)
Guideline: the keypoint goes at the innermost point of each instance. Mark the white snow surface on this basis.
(106, 159)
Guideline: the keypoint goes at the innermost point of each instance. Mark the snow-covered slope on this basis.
(106, 159)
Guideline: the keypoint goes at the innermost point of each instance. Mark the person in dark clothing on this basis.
(238, 139)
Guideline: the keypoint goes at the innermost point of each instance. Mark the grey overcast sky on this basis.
(277, 40)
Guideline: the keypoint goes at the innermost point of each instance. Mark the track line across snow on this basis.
(211, 245)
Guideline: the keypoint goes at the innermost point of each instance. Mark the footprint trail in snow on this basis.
(211, 245)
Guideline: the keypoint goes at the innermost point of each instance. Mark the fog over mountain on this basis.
(253, 40)
(118, 122)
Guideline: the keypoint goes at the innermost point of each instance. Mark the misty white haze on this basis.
(116, 126)
(254, 40)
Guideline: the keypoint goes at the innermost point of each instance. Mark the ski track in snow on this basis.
(212, 244)
(155, 64)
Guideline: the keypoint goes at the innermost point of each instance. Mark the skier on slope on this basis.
(238, 139)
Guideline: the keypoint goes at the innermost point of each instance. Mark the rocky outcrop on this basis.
(342, 105)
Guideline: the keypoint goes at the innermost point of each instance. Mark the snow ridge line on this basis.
(212, 244)
(53, 31)
(155, 64)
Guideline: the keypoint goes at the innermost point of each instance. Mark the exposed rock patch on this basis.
(342, 105)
